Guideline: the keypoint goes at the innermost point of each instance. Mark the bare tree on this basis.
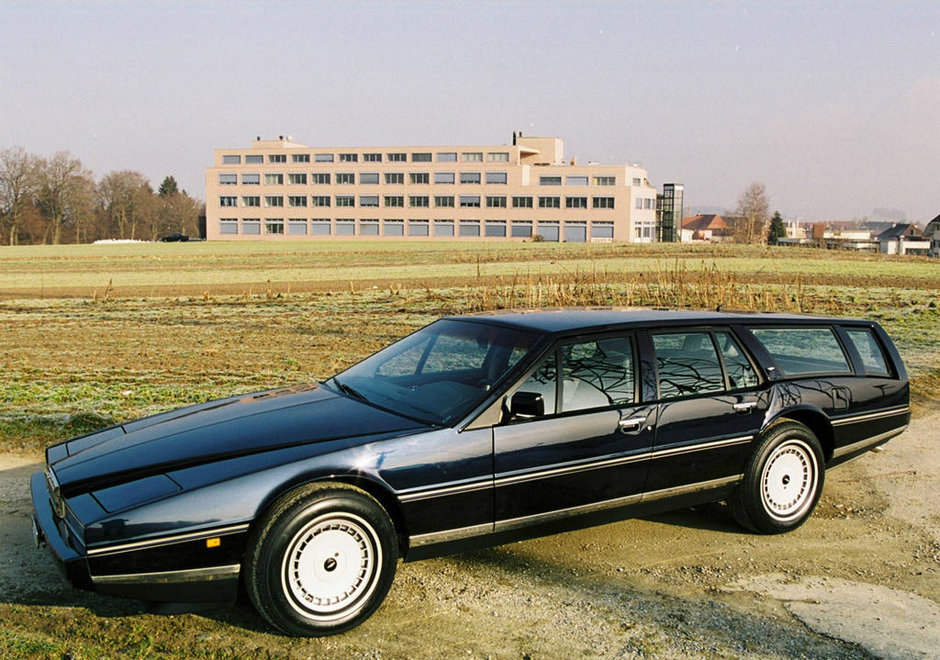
(18, 170)
(124, 197)
(753, 215)
(65, 193)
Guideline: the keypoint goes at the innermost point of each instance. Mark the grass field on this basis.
(97, 334)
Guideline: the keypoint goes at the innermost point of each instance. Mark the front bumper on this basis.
(47, 532)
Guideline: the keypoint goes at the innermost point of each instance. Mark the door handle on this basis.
(744, 406)
(631, 423)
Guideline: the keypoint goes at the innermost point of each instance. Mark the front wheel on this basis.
(321, 560)
(782, 481)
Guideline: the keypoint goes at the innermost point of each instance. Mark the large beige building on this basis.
(283, 190)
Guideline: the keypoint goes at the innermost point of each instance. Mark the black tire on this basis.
(782, 481)
(321, 560)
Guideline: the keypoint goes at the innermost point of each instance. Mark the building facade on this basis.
(284, 190)
(669, 213)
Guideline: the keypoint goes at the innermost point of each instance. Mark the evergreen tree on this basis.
(168, 187)
(777, 229)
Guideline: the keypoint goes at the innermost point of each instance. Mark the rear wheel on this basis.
(321, 560)
(782, 482)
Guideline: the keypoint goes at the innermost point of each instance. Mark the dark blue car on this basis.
(474, 430)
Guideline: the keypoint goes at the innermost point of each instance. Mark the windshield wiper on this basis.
(350, 391)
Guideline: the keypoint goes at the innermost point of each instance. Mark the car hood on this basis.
(217, 430)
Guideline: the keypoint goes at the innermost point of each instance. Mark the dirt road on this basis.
(860, 579)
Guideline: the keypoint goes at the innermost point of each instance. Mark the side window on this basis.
(867, 346)
(687, 364)
(799, 351)
(596, 374)
(741, 372)
(543, 381)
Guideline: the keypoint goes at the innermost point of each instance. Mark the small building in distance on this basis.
(707, 227)
(285, 190)
(903, 238)
(932, 234)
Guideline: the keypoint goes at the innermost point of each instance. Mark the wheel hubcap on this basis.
(331, 565)
(788, 482)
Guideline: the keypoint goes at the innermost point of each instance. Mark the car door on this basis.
(580, 439)
(711, 408)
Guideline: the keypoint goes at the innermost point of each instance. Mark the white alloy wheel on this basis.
(789, 480)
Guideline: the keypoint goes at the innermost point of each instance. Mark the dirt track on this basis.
(860, 579)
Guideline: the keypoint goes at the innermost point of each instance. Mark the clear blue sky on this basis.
(834, 106)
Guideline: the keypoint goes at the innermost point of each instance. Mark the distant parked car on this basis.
(473, 430)
(174, 238)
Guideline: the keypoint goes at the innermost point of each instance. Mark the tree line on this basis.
(57, 200)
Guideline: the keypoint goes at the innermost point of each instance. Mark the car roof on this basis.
(564, 320)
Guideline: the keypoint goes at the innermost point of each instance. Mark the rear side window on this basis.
(799, 351)
(741, 372)
(867, 346)
(687, 364)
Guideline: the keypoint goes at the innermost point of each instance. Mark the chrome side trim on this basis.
(862, 444)
(449, 535)
(171, 577)
(577, 467)
(866, 417)
(687, 449)
(444, 491)
(167, 540)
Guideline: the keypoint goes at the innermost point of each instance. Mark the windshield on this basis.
(440, 373)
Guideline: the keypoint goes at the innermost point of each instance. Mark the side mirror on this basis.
(527, 404)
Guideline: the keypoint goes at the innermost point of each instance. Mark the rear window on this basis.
(799, 351)
(867, 346)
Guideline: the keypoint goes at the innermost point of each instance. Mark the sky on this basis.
(833, 106)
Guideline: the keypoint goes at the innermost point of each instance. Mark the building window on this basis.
(444, 201)
(603, 202)
(345, 200)
(447, 157)
(251, 179)
(549, 231)
(345, 227)
(368, 200)
(639, 202)
(443, 227)
(277, 158)
(320, 200)
(228, 200)
(522, 202)
(397, 158)
(648, 203)
(394, 200)
(320, 178)
(549, 180)
(420, 177)
(472, 156)
(575, 232)
(417, 227)
(297, 226)
(605, 181)
(521, 229)
(228, 225)
(602, 230)
(469, 227)
(369, 227)
(297, 179)
(321, 227)
(345, 178)
(419, 201)
(254, 158)
(443, 177)
(349, 158)
(251, 200)
(469, 177)
(297, 200)
(372, 158)
(393, 227)
(274, 226)
(495, 228)
(576, 180)
(300, 158)
(498, 157)
(470, 201)
(251, 226)
(421, 157)
(575, 202)
(496, 177)
(636, 181)
(368, 178)
(231, 160)
(549, 202)
(273, 200)
(495, 201)
(394, 177)
(323, 158)
(228, 179)
(274, 179)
